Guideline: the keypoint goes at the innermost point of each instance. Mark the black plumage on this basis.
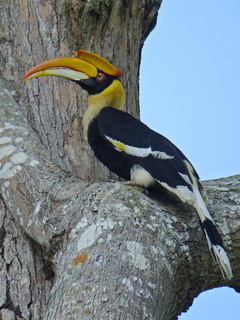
(123, 127)
(127, 146)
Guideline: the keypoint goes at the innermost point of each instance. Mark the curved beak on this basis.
(83, 66)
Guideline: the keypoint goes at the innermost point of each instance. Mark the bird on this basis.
(128, 147)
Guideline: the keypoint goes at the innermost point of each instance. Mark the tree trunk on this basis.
(71, 248)
(34, 31)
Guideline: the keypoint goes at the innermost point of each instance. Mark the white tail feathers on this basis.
(215, 244)
(223, 262)
(213, 237)
(196, 197)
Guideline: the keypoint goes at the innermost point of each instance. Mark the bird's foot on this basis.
(135, 186)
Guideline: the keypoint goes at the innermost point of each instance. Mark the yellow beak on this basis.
(83, 66)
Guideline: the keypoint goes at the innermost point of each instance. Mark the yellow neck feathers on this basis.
(113, 96)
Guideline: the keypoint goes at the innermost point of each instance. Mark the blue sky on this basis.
(190, 92)
(190, 82)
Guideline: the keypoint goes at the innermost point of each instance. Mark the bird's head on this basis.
(93, 73)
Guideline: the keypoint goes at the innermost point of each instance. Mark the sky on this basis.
(190, 93)
(190, 82)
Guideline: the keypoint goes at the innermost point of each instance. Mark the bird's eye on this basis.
(100, 77)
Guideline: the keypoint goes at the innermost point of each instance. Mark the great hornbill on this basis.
(127, 146)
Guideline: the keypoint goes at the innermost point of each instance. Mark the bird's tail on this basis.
(213, 237)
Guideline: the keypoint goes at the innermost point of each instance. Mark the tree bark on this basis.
(71, 246)
(34, 31)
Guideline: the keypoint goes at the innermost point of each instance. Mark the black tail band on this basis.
(209, 227)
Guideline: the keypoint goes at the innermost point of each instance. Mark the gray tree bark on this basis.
(71, 246)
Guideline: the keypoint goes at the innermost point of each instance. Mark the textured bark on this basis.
(34, 31)
(73, 249)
